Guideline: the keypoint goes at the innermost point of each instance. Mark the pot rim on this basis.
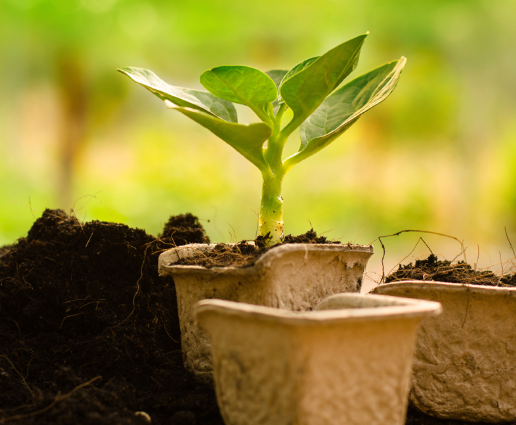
(450, 286)
(167, 258)
(388, 308)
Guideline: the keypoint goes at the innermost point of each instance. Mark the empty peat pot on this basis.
(348, 362)
(465, 360)
(292, 276)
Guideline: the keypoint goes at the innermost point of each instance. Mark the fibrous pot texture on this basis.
(293, 277)
(465, 360)
(347, 362)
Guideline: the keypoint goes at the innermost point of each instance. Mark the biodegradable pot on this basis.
(465, 361)
(348, 362)
(291, 276)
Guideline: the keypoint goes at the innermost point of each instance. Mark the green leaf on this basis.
(298, 68)
(240, 84)
(305, 91)
(277, 75)
(248, 140)
(344, 106)
(195, 99)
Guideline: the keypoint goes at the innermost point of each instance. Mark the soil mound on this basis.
(82, 302)
(184, 229)
(446, 271)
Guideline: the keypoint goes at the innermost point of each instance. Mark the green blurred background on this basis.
(439, 154)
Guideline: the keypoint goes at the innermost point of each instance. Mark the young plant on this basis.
(321, 110)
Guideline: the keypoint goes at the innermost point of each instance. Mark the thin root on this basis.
(58, 399)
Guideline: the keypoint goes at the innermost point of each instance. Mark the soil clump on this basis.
(184, 229)
(89, 333)
(245, 253)
(432, 269)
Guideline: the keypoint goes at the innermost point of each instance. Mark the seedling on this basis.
(321, 111)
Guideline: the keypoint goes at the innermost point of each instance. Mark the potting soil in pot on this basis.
(432, 269)
(244, 254)
(89, 331)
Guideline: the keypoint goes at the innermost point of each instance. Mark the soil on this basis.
(245, 254)
(4, 250)
(184, 229)
(446, 271)
(89, 332)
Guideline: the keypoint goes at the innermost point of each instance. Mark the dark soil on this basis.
(245, 254)
(4, 250)
(89, 332)
(184, 229)
(242, 254)
(446, 271)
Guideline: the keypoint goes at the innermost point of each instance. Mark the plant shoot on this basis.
(321, 110)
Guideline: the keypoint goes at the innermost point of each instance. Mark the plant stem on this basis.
(271, 209)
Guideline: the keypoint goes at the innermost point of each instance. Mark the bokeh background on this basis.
(438, 155)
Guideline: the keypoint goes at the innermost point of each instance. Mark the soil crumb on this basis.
(446, 271)
(184, 229)
(245, 254)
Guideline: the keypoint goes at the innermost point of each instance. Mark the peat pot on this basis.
(291, 276)
(465, 360)
(347, 362)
